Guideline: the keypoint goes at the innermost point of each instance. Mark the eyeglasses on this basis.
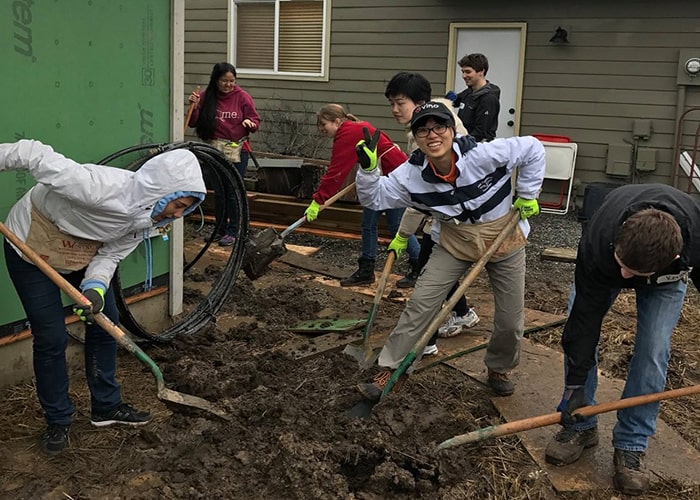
(423, 132)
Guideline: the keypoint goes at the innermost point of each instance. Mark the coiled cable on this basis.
(228, 185)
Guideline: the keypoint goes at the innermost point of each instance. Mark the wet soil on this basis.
(289, 436)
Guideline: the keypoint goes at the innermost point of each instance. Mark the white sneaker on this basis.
(430, 350)
(455, 324)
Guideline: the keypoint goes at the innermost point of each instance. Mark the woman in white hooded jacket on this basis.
(83, 219)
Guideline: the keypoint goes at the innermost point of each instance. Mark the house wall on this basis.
(621, 65)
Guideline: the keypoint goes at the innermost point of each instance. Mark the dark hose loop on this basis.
(226, 183)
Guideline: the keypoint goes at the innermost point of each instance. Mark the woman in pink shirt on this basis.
(223, 115)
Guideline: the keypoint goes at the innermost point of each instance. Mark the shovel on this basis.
(554, 418)
(269, 245)
(364, 408)
(164, 394)
(362, 350)
(189, 114)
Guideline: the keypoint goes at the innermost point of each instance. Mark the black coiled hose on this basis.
(227, 184)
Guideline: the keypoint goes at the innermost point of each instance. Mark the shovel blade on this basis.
(363, 409)
(181, 399)
(260, 251)
(362, 353)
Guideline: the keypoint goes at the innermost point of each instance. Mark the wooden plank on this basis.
(311, 264)
(446, 347)
(559, 254)
(539, 380)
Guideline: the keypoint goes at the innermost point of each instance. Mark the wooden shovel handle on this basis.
(189, 114)
(328, 203)
(337, 196)
(554, 418)
(72, 292)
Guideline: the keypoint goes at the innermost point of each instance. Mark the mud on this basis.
(289, 436)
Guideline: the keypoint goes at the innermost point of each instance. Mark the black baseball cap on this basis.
(433, 109)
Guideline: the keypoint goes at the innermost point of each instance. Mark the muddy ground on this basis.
(289, 436)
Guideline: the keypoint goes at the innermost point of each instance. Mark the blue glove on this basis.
(451, 96)
(312, 211)
(96, 296)
(366, 150)
(398, 245)
(527, 208)
(574, 397)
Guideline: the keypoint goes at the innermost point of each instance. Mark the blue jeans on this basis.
(41, 300)
(231, 224)
(370, 220)
(658, 310)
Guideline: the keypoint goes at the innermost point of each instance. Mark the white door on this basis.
(504, 46)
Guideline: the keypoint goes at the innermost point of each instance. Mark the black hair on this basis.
(413, 85)
(476, 61)
(206, 123)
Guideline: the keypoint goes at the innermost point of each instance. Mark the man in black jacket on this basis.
(479, 103)
(642, 237)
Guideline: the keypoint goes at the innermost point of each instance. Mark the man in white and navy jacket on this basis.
(467, 189)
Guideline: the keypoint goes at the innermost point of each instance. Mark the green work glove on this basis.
(398, 245)
(96, 296)
(527, 208)
(312, 211)
(366, 150)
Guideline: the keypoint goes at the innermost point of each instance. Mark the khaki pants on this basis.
(507, 279)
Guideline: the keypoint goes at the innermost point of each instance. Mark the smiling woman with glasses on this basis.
(466, 187)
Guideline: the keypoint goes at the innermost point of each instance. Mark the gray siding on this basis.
(620, 66)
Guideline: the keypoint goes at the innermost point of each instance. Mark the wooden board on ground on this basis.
(559, 254)
(309, 263)
(326, 325)
(391, 292)
(539, 379)
(478, 334)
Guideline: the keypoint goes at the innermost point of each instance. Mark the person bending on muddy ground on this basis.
(83, 219)
(642, 237)
(466, 187)
(405, 91)
(224, 116)
(346, 131)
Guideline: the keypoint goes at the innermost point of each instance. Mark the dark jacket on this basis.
(598, 275)
(478, 111)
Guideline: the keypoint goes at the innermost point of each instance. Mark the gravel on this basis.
(548, 230)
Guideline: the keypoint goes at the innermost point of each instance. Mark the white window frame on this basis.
(281, 75)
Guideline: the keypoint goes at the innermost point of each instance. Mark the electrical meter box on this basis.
(619, 160)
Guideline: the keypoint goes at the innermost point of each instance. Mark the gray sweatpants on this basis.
(507, 279)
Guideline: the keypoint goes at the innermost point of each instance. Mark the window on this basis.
(281, 37)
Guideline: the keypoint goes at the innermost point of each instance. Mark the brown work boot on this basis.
(568, 444)
(501, 384)
(373, 390)
(629, 477)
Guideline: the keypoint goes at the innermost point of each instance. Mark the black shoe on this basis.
(363, 276)
(568, 444)
(54, 439)
(629, 477)
(123, 414)
(500, 383)
(409, 281)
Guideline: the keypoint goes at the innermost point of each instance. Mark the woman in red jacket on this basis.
(346, 131)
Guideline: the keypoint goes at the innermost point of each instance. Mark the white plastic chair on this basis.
(560, 161)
